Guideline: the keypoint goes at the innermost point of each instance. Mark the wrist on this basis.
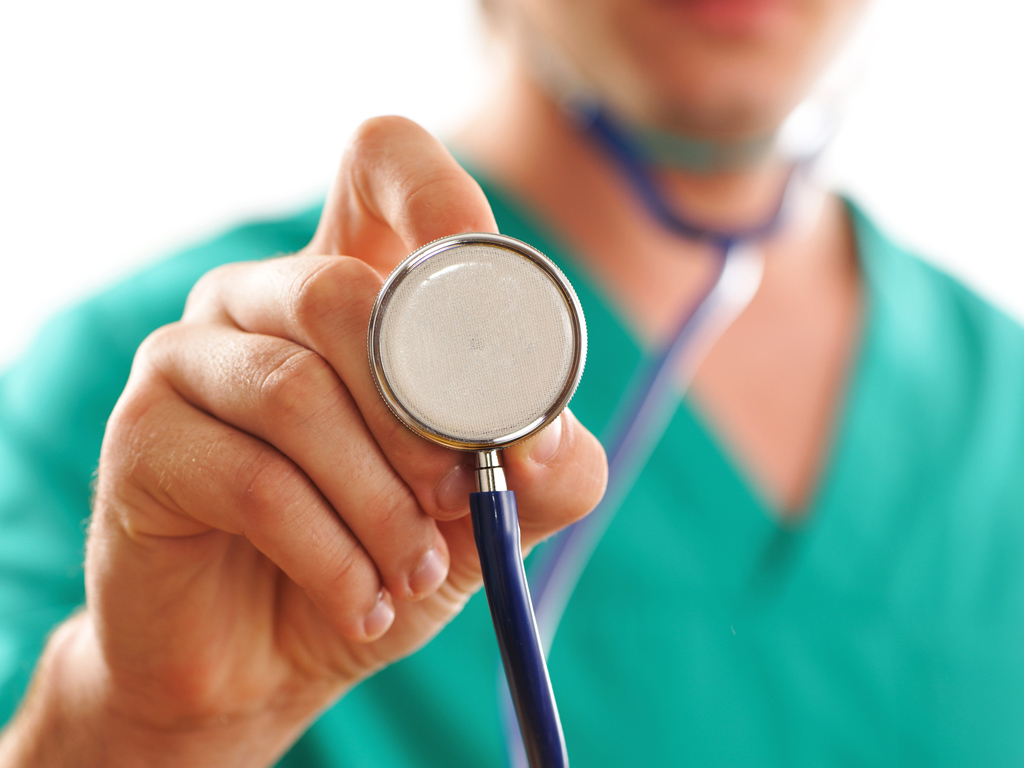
(72, 714)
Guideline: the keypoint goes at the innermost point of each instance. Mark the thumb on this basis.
(398, 188)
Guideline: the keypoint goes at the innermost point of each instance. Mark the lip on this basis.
(733, 18)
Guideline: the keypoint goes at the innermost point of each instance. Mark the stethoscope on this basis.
(644, 412)
(478, 341)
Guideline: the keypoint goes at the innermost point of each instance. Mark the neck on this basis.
(523, 140)
(685, 154)
(525, 144)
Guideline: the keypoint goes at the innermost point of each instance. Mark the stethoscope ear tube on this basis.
(496, 530)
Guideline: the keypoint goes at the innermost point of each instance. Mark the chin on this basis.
(728, 100)
(717, 68)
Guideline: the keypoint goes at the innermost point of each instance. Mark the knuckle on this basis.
(155, 346)
(206, 290)
(334, 295)
(386, 509)
(442, 196)
(129, 457)
(318, 290)
(397, 535)
(295, 385)
(267, 485)
(127, 422)
(400, 166)
(352, 578)
(435, 183)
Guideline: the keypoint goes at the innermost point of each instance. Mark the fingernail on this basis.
(547, 444)
(379, 619)
(453, 491)
(429, 574)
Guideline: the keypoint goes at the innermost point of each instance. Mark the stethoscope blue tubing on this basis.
(496, 530)
(638, 423)
(630, 162)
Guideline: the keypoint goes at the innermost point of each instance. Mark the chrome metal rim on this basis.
(430, 250)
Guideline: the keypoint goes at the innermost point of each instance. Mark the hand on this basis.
(266, 534)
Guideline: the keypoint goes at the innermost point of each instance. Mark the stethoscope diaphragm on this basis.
(477, 341)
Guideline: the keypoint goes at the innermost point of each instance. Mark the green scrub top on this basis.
(887, 628)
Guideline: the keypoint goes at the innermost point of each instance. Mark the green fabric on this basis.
(885, 630)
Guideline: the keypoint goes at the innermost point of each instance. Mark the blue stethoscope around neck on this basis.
(650, 400)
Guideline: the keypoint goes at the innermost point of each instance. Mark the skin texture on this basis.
(719, 69)
(771, 388)
(266, 534)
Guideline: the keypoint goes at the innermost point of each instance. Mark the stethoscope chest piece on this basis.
(477, 341)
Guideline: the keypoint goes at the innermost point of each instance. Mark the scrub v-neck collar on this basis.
(621, 350)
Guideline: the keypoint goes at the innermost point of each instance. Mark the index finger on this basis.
(398, 188)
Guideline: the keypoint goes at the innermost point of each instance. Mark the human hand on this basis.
(266, 534)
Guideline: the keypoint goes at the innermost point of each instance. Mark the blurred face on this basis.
(707, 68)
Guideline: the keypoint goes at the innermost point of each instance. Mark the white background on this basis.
(128, 128)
